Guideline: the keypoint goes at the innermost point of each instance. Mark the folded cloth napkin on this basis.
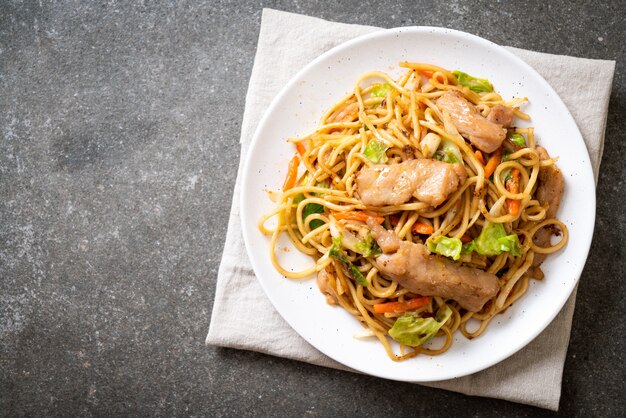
(287, 42)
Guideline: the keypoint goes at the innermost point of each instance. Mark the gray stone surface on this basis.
(119, 125)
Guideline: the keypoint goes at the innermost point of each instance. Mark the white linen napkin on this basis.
(287, 42)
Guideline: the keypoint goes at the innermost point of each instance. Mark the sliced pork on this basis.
(550, 185)
(501, 115)
(549, 191)
(486, 135)
(430, 181)
(413, 267)
(387, 240)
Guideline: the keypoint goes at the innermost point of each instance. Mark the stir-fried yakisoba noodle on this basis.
(422, 206)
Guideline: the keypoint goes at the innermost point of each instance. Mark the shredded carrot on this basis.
(292, 173)
(427, 73)
(466, 238)
(301, 148)
(493, 162)
(361, 216)
(479, 157)
(396, 307)
(422, 228)
(512, 185)
(513, 205)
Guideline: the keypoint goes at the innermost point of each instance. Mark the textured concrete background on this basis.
(119, 128)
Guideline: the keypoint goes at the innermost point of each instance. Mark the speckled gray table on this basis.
(119, 129)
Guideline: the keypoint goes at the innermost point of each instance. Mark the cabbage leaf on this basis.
(414, 331)
(375, 151)
(448, 152)
(517, 139)
(478, 85)
(350, 269)
(450, 247)
(381, 90)
(493, 240)
(368, 246)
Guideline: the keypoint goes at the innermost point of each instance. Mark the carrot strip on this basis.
(361, 216)
(493, 162)
(292, 173)
(427, 73)
(513, 205)
(301, 148)
(422, 228)
(396, 307)
(479, 157)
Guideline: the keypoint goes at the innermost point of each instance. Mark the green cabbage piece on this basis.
(517, 139)
(381, 90)
(312, 208)
(478, 85)
(448, 152)
(336, 253)
(375, 151)
(450, 247)
(368, 246)
(493, 240)
(414, 331)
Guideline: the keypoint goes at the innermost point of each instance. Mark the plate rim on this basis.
(586, 167)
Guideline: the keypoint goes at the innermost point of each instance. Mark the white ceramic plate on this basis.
(296, 111)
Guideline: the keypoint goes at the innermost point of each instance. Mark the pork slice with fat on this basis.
(430, 181)
(413, 267)
(386, 240)
(549, 191)
(501, 115)
(485, 134)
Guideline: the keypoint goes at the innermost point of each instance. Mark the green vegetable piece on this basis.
(375, 151)
(511, 244)
(493, 240)
(517, 138)
(381, 90)
(448, 152)
(368, 246)
(468, 248)
(336, 253)
(298, 198)
(316, 223)
(310, 209)
(414, 331)
(478, 85)
(450, 247)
